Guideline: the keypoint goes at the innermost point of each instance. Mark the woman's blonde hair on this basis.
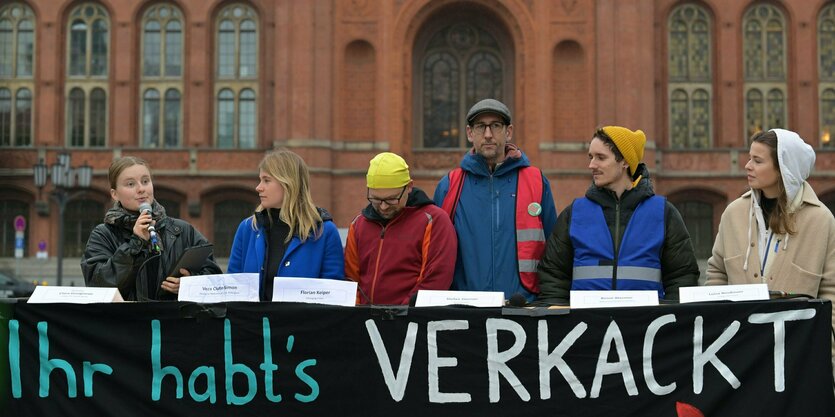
(297, 209)
(781, 221)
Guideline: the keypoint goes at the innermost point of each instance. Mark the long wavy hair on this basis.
(297, 209)
(780, 221)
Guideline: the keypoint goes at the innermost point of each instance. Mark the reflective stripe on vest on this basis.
(639, 253)
(530, 234)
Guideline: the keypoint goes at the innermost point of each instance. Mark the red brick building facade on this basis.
(201, 89)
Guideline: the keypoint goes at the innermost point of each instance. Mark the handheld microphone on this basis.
(146, 207)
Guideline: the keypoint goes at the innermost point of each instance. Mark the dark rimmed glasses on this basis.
(479, 128)
(389, 201)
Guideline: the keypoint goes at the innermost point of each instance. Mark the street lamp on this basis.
(65, 179)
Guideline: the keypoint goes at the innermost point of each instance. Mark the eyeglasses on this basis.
(479, 128)
(388, 201)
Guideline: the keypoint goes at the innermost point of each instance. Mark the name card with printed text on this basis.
(315, 291)
(613, 298)
(436, 298)
(75, 295)
(739, 292)
(219, 288)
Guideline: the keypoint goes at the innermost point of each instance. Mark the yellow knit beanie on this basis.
(387, 170)
(629, 143)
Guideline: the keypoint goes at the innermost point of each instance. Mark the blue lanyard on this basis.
(765, 258)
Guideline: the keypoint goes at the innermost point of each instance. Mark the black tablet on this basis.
(192, 259)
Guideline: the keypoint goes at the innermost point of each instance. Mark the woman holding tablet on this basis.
(287, 236)
(137, 246)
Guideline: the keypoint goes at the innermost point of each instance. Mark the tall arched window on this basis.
(458, 62)
(764, 62)
(172, 207)
(227, 215)
(88, 40)
(17, 55)
(826, 53)
(690, 76)
(236, 77)
(698, 218)
(80, 217)
(162, 76)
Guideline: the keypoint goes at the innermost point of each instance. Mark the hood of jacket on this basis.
(514, 159)
(796, 159)
(417, 198)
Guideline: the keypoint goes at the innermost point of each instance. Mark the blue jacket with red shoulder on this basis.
(485, 220)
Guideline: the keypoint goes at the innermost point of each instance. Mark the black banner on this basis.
(255, 359)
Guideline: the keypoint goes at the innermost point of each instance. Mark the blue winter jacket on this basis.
(486, 225)
(315, 258)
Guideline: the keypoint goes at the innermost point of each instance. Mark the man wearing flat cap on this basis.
(401, 242)
(620, 236)
(501, 206)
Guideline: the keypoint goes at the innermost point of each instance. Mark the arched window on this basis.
(690, 76)
(15, 117)
(236, 77)
(764, 67)
(826, 52)
(17, 41)
(458, 61)
(80, 217)
(698, 218)
(9, 209)
(87, 117)
(172, 207)
(162, 76)
(5, 116)
(17, 55)
(227, 216)
(88, 34)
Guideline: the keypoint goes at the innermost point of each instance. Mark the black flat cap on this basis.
(488, 105)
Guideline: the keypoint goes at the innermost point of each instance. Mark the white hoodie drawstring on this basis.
(750, 221)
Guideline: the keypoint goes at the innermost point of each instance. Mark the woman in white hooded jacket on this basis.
(778, 233)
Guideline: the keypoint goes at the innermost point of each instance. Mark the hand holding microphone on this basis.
(147, 223)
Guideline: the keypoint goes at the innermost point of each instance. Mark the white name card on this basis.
(315, 291)
(740, 292)
(75, 295)
(614, 298)
(219, 288)
(435, 298)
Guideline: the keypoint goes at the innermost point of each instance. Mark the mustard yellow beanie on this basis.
(630, 144)
(387, 170)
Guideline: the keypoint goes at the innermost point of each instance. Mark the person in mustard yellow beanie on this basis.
(401, 242)
(620, 236)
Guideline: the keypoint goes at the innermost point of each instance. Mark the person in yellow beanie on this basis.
(620, 236)
(401, 242)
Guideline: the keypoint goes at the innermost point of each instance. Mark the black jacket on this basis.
(115, 257)
(678, 261)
